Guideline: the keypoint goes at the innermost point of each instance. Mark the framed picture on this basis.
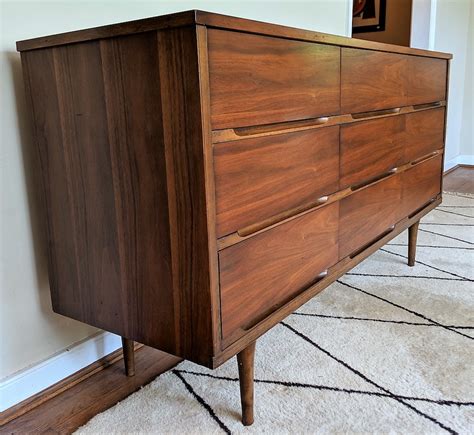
(368, 16)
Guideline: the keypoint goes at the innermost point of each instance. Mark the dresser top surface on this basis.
(214, 20)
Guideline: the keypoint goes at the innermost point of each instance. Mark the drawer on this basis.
(372, 80)
(370, 148)
(265, 271)
(367, 214)
(424, 133)
(420, 184)
(256, 79)
(258, 178)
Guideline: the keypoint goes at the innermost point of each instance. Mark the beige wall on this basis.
(29, 330)
(397, 24)
(452, 23)
(466, 146)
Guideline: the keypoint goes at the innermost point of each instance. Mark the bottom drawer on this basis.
(367, 214)
(420, 184)
(265, 271)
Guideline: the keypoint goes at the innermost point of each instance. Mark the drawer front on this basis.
(420, 184)
(372, 80)
(371, 148)
(367, 214)
(424, 133)
(261, 177)
(265, 271)
(258, 79)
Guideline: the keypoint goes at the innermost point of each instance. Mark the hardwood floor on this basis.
(460, 180)
(73, 407)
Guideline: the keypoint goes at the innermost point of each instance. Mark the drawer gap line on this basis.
(241, 133)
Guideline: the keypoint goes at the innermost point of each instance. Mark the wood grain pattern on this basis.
(263, 272)
(424, 133)
(245, 362)
(259, 178)
(209, 183)
(115, 182)
(244, 25)
(231, 134)
(299, 184)
(216, 21)
(128, 347)
(89, 392)
(426, 79)
(412, 236)
(460, 179)
(252, 79)
(334, 273)
(109, 31)
(187, 138)
(371, 148)
(367, 214)
(420, 185)
(372, 80)
(137, 150)
(68, 119)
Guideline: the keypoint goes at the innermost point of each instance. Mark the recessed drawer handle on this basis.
(422, 159)
(259, 129)
(374, 179)
(372, 242)
(268, 313)
(244, 232)
(427, 105)
(375, 113)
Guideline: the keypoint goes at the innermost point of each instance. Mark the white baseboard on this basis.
(27, 382)
(464, 159)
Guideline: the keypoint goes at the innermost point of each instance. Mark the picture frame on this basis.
(368, 16)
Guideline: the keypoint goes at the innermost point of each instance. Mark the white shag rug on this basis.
(386, 349)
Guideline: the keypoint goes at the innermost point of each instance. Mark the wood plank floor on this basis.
(460, 180)
(75, 406)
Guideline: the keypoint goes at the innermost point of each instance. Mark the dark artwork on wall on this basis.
(368, 16)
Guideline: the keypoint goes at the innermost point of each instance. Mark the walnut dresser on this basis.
(204, 176)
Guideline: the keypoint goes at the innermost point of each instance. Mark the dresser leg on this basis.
(412, 236)
(245, 360)
(128, 356)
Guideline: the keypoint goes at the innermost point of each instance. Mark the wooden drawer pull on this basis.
(376, 113)
(244, 232)
(374, 179)
(427, 105)
(269, 312)
(373, 242)
(422, 207)
(422, 159)
(259, 129)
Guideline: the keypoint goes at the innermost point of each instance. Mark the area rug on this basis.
(386, 349)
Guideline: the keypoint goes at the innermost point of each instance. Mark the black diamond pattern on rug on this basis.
(387, 348)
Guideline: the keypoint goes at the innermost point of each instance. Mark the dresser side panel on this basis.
(186, 134)
(98, 128)
(137, 151)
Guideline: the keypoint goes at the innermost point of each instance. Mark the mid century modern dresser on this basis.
(204, 176)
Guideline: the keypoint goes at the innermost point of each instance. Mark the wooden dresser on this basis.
(204, 176)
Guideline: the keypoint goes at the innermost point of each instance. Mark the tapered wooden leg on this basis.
(412, 236)
(245, 360)
(128, 356)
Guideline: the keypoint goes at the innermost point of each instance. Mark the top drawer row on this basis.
(258, 79)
